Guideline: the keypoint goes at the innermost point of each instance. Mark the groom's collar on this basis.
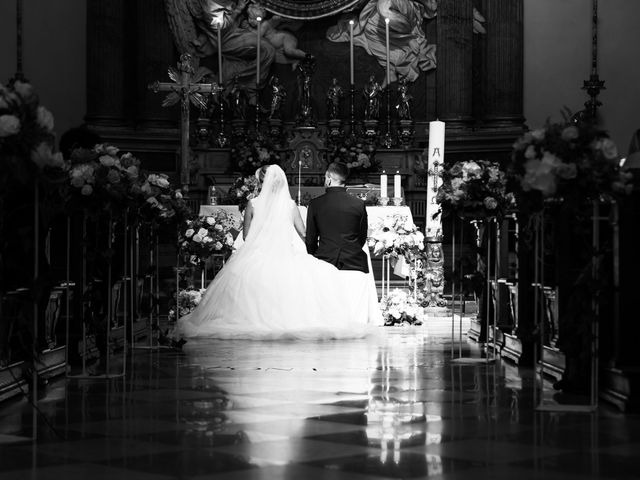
(336, 189)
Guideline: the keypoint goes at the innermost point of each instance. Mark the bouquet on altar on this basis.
(186, 301)
(474, 189)
(204, 236)
(359, 156)
(251, 152)
(566, 161)
(242, 190)
(399, 307)
(396, 235)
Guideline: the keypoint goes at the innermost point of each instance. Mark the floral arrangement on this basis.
(104, 179)
(567, 161)
(356, 154)
(27, 139)
(399, 307)
(252, 152)
(396, 235)
(475, 189)
(204, 236)
(187, 300)
(242, 190)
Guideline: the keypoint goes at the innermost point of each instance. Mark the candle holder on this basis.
(352, 113)
(397, 201)
(222, 141)
(384, 201)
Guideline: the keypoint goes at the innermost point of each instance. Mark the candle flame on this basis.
(351, 22)
(386, 20)
(258, 19)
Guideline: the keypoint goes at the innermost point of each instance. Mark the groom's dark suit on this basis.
(337, 229)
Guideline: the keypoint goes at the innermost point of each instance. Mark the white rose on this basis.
(111, 150)
(203, 232)
(146, 188)
(132, 171)
(43, 156)
(25, 90)
(218, 228)
(107, 160)
(44, 118)
(218, 246)
(197, 238)
(207, 239)
(9, 125)
(211, 220)
(189, 233)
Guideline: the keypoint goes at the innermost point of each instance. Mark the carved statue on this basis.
(371, 92)
(404, 101)
(305, 69)
(278, 94)
(284, 42)
(238, 100)
(195, 25)
(334, 99)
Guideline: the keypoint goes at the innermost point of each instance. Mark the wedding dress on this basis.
(272, 289)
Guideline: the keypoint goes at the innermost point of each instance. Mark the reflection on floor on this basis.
(381, 408)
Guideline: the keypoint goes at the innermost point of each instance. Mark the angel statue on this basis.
(195, 25)
(284, 42)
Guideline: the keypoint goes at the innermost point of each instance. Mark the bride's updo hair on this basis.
(260, 173)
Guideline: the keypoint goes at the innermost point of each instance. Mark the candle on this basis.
(383, 185)
(259, 20)
(397, 187)
(436, 142)
(386, 22)
(435, 162)
(220, 51)
(351, 50)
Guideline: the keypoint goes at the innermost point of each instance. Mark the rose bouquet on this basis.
(356, 154)
(242, 190)
(474, 189)
(187, 300)
(204, 236)
(565, 161)
(399, 307)
(252, 152)
(396, 235)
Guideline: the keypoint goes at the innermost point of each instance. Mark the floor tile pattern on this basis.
(389, 407)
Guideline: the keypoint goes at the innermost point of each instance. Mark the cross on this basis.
(185, 89)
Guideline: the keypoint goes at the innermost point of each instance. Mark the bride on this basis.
(271, 288)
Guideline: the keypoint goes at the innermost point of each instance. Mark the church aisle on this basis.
(383, 408)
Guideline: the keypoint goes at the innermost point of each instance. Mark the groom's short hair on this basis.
(338, 171)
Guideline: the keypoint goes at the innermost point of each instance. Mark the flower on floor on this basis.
(186, 301)
(396, 235)
(242, 190)
(474, 189)
(399, 307)
(204, 236)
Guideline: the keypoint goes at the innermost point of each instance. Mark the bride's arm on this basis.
(248, 216)
(298, 223)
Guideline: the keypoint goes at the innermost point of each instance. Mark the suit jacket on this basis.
(337, 229)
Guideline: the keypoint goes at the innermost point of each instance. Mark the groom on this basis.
(337, 224)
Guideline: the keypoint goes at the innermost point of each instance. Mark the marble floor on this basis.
(389, 407)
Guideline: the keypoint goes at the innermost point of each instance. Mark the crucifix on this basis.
(186, 88)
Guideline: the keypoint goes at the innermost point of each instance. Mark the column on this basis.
(154, 54)
(454, 69)
(105, 62)
(503, 65)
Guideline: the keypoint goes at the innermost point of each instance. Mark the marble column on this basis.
(106, 63)
(503, 64)
(154, 54)
(455, 61)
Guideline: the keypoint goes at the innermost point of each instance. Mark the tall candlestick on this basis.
(351, 51)
(383, 185)
(386, 22)
(259, 20)
(220, 52)
(397, 185)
